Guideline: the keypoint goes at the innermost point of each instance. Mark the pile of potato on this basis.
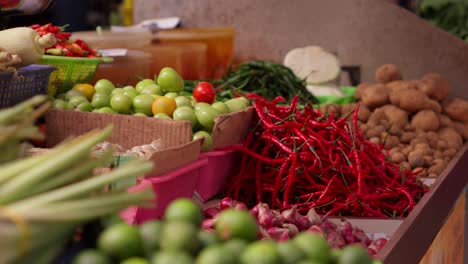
(417, 123)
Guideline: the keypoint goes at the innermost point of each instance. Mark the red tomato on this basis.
(204, 92)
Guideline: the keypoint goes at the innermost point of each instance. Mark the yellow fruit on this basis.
(86, 89)
(164, 105)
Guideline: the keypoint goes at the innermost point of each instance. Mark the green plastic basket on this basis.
(70, 71)
(347, 98)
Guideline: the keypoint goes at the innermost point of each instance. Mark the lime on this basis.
(354, 254)
(290, 252)
(376, 261)
(171, 257)
(150, 233)
(335, 255)
(91, 256)
(308, 262)
(179, 236)
(215, 254)
(207, 238)
(183, 209)
(261, 252)
(235, 246)
(135, 261)
(233, 223)
(121, 241)
(315, 247)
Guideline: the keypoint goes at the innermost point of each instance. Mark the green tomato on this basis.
(73, 93)
(207, 139)
(76, 100)
(121, 103)
(106, 110)
(129, 88)
(69, 106)
(151, 89)
(199, 106)
(131, 93)
(104, 86)
(183, 101)
(84, 107)
(185, 113)
(171, 95)
(143, 103)
(143, 83)
(221, 107)
(60, 104)
(237, 104)
(247, 101)
(170, 80)
(162, 116)
(100, 100)
(117, 91)
(206, 117)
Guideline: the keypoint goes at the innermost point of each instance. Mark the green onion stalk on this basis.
(43, 199)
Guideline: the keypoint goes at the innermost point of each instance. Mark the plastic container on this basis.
(31, 80)
(70, 71)
(219, 41)
(126, 70)
(109, 40)
(188, 59)
(221, 165)
(178, 183)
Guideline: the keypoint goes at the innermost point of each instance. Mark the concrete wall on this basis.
(362, 32)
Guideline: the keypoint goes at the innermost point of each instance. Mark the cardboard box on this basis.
(130, 131)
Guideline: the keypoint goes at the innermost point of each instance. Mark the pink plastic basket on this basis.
(167, 187)
(213, 176)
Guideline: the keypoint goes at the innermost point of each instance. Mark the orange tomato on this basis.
(164, 105)
(86, 89)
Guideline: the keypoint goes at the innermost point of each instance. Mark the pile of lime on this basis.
(160, 98)
(178, 239)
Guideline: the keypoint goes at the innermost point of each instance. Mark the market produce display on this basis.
(64, 46)
(299, 157)
(44, 198)
(234, 238)
(416, 123)
(285, 225)
(162, 98)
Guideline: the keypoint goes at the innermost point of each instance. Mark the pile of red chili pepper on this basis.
(64, 46)
(296, 156)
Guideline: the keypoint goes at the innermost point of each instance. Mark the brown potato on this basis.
(412, 100)
(434, 105)
(397, 157)
(454, 140)
(359, 89)
(445, 121)
(387, 73)
(375, 140)
(449, 153)
(396, 116)
(375, 95)
(375, 131)
(456, 109)
(391, 141)
(363, 113)
(406, 137)
(405, 165)
(425, 120)
(435, 86)
(398, 86)
(438, 167)
(416, 158)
